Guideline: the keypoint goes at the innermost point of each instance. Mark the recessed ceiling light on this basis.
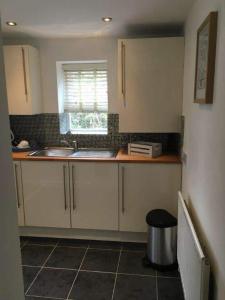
(106, 19)
(11, 23)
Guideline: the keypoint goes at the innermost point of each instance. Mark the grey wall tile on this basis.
(44, 130)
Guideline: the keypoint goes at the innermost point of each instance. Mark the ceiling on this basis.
(82, 18)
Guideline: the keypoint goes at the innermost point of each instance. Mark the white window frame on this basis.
(73, 65)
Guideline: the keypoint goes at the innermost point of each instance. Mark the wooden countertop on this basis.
(122, 157)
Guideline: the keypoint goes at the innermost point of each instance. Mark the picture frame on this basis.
(205, 60)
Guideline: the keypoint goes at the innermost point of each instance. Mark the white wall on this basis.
(53, 50)
(11, 286)
(204, 143)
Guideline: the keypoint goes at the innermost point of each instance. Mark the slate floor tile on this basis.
(74, 243)
(65, 257)
(34, 255)
(170, 289)
(37, 298)
(42, 241)
(53, 283)
(23, 241)
(101, 260)
(105, 245)
(29, 274)
(93, 286)
(131, 263)
(96, 278)
(134, 246)
(131, 287)
(172, 273)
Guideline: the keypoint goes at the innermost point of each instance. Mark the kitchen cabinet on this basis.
(94, 193)
(23, 83)
(144, 187)
(46, 194)
(19, 192)
(150, 75)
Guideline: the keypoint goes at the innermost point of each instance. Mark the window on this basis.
(85, 97)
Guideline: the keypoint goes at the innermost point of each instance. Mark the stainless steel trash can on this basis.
(162, 239)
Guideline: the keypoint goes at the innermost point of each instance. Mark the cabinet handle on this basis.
(123, 202)
(73, 192)
(64, 185)
(123, 75)
(17, 189)
(24, 73)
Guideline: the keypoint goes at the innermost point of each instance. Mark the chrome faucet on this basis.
(65, 143)
(75, 145)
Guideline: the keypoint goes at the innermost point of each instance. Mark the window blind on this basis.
(85, 88)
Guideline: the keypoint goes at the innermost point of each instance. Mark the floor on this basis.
(96, 270)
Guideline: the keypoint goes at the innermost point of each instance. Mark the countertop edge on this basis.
(122, 157)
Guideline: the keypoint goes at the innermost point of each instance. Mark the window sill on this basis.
(89, 132)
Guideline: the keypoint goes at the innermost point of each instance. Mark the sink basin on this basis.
(53, 152)
(94, 153)
(80, 153)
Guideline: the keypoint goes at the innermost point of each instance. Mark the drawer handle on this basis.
(64, 186)
(123, 75)
(123, 200)
(24, 73)
(17, 188)
(73, 191)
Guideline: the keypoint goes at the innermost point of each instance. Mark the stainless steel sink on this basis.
(70, 152)
(53, 152)
(94, 153)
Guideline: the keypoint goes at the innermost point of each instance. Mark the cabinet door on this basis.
(150, 74)
(46, 194)
(16, 80)
(94, 193)
(22, 70)
(144, 187)
(19, 192)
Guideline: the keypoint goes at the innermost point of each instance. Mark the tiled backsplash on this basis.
(44, 130)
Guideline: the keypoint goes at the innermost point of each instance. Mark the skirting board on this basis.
(84, 234)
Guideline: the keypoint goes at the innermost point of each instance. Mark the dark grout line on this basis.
(41, 297)
(85, 247)
(134, 251)
(42, 245)
(40, 270)
(104, 272)
(24, 244)
(117, 269)
(77, 273)
(65, 246)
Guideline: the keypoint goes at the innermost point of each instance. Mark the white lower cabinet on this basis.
(19, 192)
(144, 187)
(46, 193)
(94, 195)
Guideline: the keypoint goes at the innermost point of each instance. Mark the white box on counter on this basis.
(145, 149)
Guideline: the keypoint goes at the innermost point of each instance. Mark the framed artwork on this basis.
(205, 60)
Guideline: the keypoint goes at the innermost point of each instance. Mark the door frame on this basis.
(11, 279)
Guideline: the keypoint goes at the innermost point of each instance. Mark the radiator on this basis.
(193, 265)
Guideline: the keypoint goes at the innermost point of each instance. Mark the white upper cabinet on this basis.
(23, 83)
(150, 76)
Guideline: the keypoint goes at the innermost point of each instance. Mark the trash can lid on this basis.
(160, 218)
